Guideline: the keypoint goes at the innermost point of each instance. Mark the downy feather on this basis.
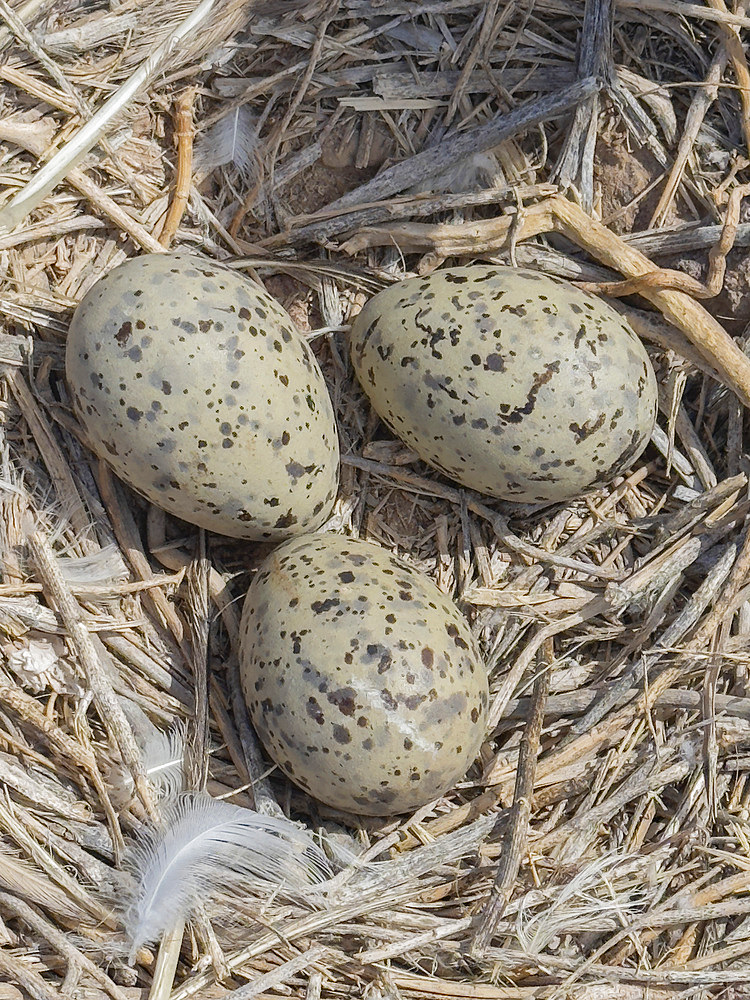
(209, 848)
(232, 139)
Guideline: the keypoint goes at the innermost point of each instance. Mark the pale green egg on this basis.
(362, 679)
(194, 385)
(510, 382)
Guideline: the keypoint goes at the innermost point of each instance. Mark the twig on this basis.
(576, 162)
(413, 206)
(570, 703)
(518, 821)
(735, 581)
(81, 105)
(16, 970)
(247, 755)
(27, 708)
(166, 962)
(652, 577)
(58, 466)
(703, 98)
(488, 15)
(22, 33)
(736, 52)
(710, 741)
(665, 278)
(668, 639)
(331, 9)
(23, 831)
(36, 88)
(77, 962)
(184, 134)
(36, 142)
(24, 13)
(272, 980)
(197, 744)
(80, 180)
(499, 523)
(600, 732)
(698, 325)
(263, 797)
(128, 537)
(197, 748)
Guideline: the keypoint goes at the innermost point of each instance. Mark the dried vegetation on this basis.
(601, 845)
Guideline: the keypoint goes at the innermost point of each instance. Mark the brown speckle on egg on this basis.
(368, 723)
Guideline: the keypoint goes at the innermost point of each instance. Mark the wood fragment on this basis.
(421, 167)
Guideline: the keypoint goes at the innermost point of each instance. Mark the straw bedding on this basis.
(599, 847)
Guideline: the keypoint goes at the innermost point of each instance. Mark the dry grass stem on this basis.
(598, 846)
(518, 820)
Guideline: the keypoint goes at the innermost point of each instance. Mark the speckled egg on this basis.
(511, 382)
(362, 679)
(196, 388)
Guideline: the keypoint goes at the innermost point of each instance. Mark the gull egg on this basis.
(510, 382)
(362, 679)
(194, 385)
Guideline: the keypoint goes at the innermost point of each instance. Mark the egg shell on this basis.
(510, 382)
(196, 388)
(362, 679)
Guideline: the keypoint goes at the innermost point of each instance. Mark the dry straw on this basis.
(599, 848)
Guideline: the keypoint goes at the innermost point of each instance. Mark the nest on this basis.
(599, 846)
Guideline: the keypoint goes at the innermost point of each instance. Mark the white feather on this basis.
(232, 139)
(162, 755)
(209, 848)
(101, 569)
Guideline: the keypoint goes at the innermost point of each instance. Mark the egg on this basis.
(362, 679)
(510, 382)
(195, 386)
